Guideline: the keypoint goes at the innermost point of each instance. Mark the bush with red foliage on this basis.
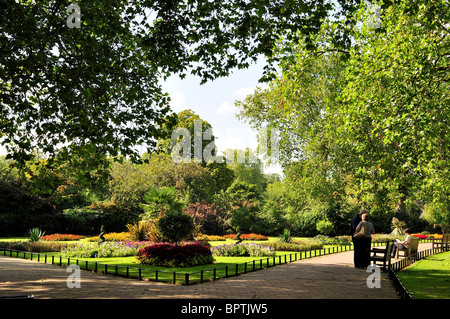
(171, 255)
(208, 217)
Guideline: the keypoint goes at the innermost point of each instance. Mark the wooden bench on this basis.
(384, 254)
(443, 243)
(410, 248)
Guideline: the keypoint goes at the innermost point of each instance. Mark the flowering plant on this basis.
(248, 236)
(427, 236)
(202, 237)
(243, 249)
(62, 237)
(124, 236)
(101, 250)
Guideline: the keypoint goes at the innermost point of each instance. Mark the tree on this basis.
(247, 168)
(395, 96)
(83, 94)
(176, 226)
(370, 118)
(208, 217)
(189, 139)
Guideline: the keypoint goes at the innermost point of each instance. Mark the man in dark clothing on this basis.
(358, 254)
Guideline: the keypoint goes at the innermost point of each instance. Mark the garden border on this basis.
(186, 278)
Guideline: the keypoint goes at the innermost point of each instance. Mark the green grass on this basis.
(428, 278)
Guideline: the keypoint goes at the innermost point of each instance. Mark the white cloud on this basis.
(226, 108)
(242, 93)
(177, 101)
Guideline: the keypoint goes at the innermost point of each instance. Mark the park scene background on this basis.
(356, 100)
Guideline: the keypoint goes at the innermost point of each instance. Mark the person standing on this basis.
(356, 241)
(365, 241)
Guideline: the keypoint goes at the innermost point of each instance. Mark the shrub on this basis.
(285, 236)
(35, 234)
(243, 249)
(207, 216)
(324, 226)
(61, 237)
(170, 255)
(154, 235)
(176, 226)
(139, 231)
(88, 220)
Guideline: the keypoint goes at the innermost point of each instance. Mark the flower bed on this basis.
(296, 245)
(101, 250)
(124, 236)
(427, 236)
(243, 249)
(39, 247)
(171, 255)
(248, 236)
(202, 237)
(62, 237)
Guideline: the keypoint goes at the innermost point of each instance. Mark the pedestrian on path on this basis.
(366, 240)
(356, 241)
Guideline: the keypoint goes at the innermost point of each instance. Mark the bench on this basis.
(410, 248)
(443, 243)
(384, 254)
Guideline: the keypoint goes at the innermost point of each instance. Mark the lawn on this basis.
(428, 278)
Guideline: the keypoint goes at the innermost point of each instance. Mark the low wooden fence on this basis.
(214, 273)
(177, 277)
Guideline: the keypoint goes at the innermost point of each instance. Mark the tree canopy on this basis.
(91, 91)
(371, 119)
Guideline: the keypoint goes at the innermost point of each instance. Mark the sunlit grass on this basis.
(428, 278)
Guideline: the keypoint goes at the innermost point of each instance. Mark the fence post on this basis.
(186, 279)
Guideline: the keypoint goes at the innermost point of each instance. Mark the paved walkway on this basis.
(325, 277)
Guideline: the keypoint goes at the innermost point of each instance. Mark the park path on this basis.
(325, 277)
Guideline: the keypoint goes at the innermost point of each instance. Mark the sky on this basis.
(214, 102)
